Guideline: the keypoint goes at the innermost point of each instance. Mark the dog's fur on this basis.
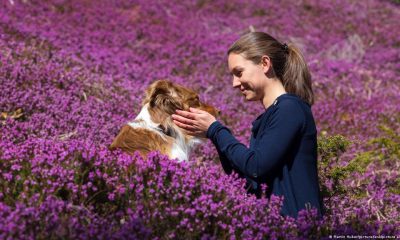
(153, 128)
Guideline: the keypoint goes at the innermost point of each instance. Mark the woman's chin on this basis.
(249, 97)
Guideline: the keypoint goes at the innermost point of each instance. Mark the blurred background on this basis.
(73, 72)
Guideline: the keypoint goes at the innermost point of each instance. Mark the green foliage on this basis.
(395, 189)
(390, 143)
(387, 153)
(330, 172)
(384, 151)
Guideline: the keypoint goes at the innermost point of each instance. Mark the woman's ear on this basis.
(265, 63)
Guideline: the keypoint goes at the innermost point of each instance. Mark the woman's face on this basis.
(247, 76)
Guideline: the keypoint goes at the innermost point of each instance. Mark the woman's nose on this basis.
(235, 82)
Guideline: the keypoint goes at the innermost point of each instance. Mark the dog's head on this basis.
(165, 97)
(168, 97)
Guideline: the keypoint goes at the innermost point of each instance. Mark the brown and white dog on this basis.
(153, 128)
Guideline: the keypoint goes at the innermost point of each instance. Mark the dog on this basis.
(153, 128)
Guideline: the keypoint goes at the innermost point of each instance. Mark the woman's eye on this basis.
(237, 72)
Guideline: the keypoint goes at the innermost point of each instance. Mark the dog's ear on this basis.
(165, 102)
(162, 94)
(152, 90)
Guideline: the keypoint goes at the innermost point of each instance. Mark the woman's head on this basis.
(249, 77)
(287, 62)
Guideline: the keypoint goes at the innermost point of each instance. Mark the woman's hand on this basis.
(196, 122)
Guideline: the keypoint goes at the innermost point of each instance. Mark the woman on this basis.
(283, 145)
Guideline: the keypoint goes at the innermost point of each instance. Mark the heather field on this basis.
(73, 72)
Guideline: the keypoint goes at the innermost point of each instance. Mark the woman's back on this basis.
(297, 174)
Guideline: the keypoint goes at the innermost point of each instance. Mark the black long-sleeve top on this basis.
(282, 154)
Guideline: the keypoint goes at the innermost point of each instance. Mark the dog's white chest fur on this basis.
(146, 122)
(180, 148)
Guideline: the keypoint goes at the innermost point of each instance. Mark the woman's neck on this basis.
(273, 91)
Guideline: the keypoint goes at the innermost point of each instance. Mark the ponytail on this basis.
(296, 77)
(288, 63)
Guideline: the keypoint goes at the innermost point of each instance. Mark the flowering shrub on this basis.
(175, 199)
(73, 72)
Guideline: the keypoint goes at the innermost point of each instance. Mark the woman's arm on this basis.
(226, 164)
(286, 122)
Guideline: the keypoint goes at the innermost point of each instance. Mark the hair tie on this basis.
(285, 47)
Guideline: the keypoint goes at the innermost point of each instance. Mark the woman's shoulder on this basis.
(290, 101)
(290, 107)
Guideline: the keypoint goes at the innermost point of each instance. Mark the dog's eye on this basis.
(194, 103)
(166, 130)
